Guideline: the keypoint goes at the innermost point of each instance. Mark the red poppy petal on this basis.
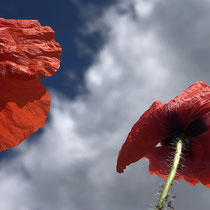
(160, 160)
(27, 49)
(24, 106)
(190, 163)
(144, 135)
(206, 119)
(189, 105)
(198, 163)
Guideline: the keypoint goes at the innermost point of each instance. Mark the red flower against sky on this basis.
(187, 115)
(27, 52)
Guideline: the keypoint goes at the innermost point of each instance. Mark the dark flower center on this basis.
(196, 127)
(174, 137)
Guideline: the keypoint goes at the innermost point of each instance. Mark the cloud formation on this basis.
(152, 51)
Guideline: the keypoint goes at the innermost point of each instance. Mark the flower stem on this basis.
(171, 176)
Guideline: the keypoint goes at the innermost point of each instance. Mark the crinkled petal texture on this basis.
(27, 49)
(158, 122)
(24, 106)
(187, 106)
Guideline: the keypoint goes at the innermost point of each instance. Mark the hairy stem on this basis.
(171, 176)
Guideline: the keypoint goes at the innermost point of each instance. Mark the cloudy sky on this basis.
(118, 57)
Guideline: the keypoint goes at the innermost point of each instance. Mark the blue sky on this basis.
(118, 57)
(67, 20)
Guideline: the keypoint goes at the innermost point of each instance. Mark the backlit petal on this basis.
(24, 106)
(198, 163)
(144, 135)
(160, 161)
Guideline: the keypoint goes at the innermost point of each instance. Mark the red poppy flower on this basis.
(27, 52)
(155, 133)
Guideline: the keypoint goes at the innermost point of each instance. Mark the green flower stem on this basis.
(171, 176)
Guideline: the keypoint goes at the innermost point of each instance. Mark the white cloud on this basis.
(143, 7)
(72, 165)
